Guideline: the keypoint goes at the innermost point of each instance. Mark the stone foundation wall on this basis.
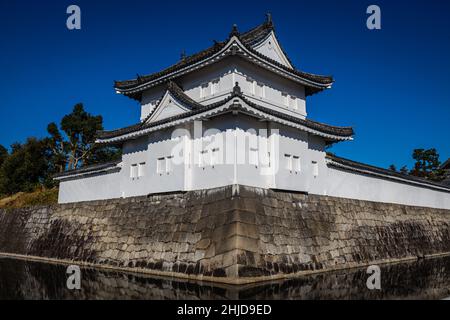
(232, 234)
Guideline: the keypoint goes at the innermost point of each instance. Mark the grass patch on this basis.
(30, 199)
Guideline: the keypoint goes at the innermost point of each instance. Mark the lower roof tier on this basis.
(236, 102)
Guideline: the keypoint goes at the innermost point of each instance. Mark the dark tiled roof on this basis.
(143, 125)
(248, 38)
(128, 84)
(179, 94)
(446, 165)
(319, 126)
(88, 169)
(324, 128)
(257, 34)
(377, 170)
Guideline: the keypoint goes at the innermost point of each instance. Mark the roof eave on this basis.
(363, 168)
(89, 170)
(134, 91)
(314, 127)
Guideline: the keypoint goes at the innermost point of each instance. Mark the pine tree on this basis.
(76, 146)
(427, 165)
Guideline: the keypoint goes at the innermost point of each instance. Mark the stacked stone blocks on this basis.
(232, 233)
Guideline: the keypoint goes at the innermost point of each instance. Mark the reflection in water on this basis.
(424, 279)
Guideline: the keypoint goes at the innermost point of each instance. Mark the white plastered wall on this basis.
(345, 184)
(98, 186)
(257, 84)
(233, 137)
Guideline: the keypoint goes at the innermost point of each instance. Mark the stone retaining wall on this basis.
(232, 234)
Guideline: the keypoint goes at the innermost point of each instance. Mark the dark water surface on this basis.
(423, 279)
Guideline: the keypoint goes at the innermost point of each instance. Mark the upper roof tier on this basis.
(244, 45)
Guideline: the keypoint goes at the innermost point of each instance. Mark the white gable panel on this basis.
(168, 107)
(169, 111)
(271, 49)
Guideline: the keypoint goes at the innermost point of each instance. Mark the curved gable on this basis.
(168, 107)
(258, 45)
(270, 47)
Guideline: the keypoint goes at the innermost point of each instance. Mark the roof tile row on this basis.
(248, 39)
(198, 108)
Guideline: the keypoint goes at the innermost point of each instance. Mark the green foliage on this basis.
(77, 147)
(25, 168)
(427, 165)
(392, 167)
(3, 154)
(404, 170)
(33, 164)
(103, 154)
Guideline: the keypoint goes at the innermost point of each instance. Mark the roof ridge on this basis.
(307, 122)
(445, 163)
(326, 78)
(179, 93)
(88, 168)
(216, 45)
(264, 27)
(379, 170)
(173, 88)
(248, 39)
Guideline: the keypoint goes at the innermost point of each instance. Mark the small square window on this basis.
(204, 90)
(160, 165)
(141, 169)
(203, 159)
(285, 98)
(260, 90)
(133, 171)
(296, 164)
(253, 157)
(315, 168)
(215, 86)
(251, 85)
(293, 103)
(169, 164)
(215, 157)
(288, 159)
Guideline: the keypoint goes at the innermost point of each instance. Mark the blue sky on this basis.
(392, 85)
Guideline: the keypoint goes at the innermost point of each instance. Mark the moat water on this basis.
(423, 279)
